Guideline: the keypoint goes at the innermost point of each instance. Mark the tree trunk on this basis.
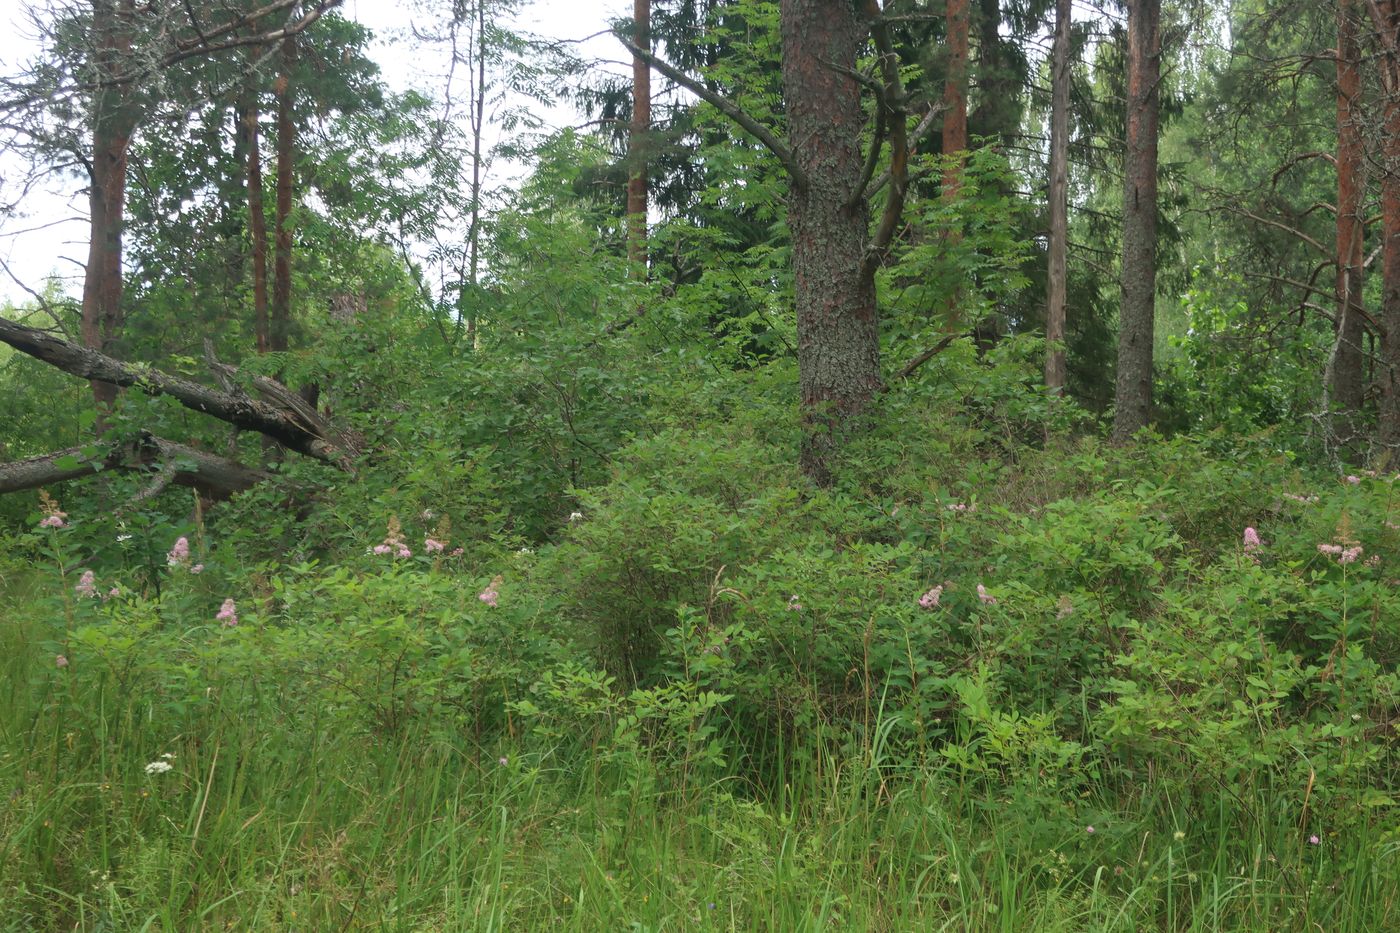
(291, 424)
(478, 124)
(114, 120)
(838, 340)
(281, 317)
(257, 220)
(1056, 285)
(1139, 273)
(637, 139)
(955, 94)
(214, 477)
(1388, 373)
(1345, 375)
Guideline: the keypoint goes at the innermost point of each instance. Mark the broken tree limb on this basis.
(289, 428)
(169, 462)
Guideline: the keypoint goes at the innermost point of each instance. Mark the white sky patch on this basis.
(48, 234)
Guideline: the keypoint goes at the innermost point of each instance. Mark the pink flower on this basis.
(1349, 555)
(1313, 840)
(114, 592)
(404, 551)
(228, 614)
(382, 549)
(1251, 539)
(456, 552)
(794, 605)
(87, 585)
(1353, 480)
(1089, 830)
(503, 761)
(53, 521)
(179, 553)
(961, 507)
(61, 661)
(433, 545)
(987, 598)
(489, 596)
(930, 599)
(197, 568)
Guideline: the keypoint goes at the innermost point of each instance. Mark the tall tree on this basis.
(1385, 16)
(1345, 375)
(1056, 282)
(281, 316)
(641, 124)
(114, 117)
(249, 113)
(955, 93)
(1133, 410)
(834, 255)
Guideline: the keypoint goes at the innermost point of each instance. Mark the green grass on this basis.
(268, 820)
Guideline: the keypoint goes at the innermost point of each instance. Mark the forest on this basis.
(778, 465)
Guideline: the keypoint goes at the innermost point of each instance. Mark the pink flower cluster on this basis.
(228, 614)
(54, 520)
(1251, 539)
(87, 584)
(1306, 500)
(930, 599)
(491, 595)
(794, 605)
(433, 546)
(1344, 555)
(987, 598)
(961, 507)
(393, 541)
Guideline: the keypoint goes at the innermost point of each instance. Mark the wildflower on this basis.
(953, 878)
(404, 551)
(197, 568)
(433, 546)
(1089, 830)
(159, 767)
(1313, 840)
(121, 538)
(1353, 480)
(456, 552)
(1251, 539)
(987, 598)
(393, 540)
(1066, 608)
(575, 516)
(228, 614)
(53, 521)
(489, 596)
(930, 599)
(961, 507)
(793, 604)
(179, 554)
(53, 515)
(525, 550)
(87, 585)
(168, 756)
(503, 761)
(1306, 500)
(382, 549)
(114, 592)
(1178, 835)
(60, 661)
(1349, 555)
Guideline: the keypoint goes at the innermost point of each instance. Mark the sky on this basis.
(49, 234)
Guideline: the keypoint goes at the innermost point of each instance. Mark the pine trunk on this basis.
(281, 316)
(641, 124)
(1133, 410)
(1389, 370)
(1056, 284)
(113, 124)
(955, 93)
(1345, 376)
(257, 222)
(838, 340)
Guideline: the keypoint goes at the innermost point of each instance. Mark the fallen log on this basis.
(300, 430)
(169, 462)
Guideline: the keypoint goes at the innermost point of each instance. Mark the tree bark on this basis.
(1386, 14)
(214, 477)
(257, 220)
(113, 122)
(1133, 410)
(955, 94)
(838, 340)
(292, 426)
(637, 139)
(1345, 373)
(281, 316)
(1056, 278)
